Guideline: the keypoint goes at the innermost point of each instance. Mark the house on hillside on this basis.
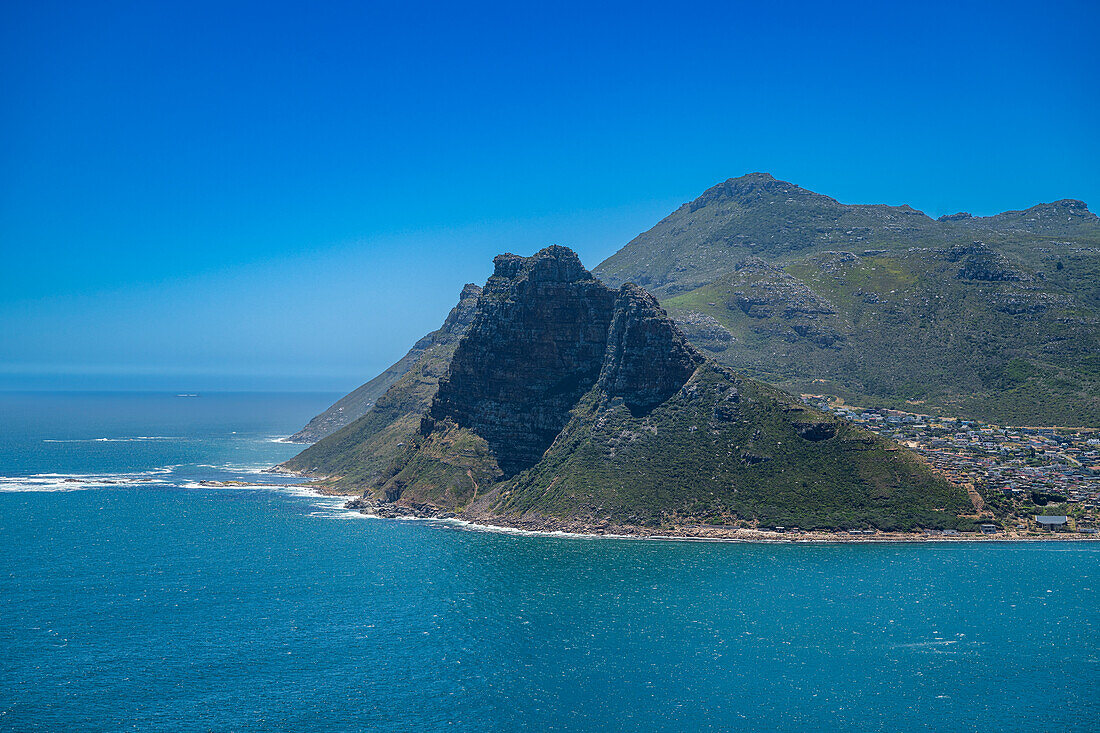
(1051, 523)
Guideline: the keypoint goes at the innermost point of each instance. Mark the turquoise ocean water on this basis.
(132, 598)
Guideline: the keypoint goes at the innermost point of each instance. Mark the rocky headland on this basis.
(571, 406)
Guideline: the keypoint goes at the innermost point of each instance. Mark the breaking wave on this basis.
(132, 439)
(80, 481)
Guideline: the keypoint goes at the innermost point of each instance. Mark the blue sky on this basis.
(286, 195)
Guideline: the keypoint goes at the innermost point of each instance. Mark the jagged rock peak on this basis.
(550, 264)
(754, 177)
(536, 345)
(545, 332)
(1044, 212)
(647, 358)
(460, 317)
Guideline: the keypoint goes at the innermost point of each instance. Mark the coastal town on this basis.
(1021, 479)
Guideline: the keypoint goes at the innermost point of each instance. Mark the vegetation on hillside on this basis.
(996, 318)
(721, 454)
(357, 454)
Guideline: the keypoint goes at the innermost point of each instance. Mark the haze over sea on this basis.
(135, 598)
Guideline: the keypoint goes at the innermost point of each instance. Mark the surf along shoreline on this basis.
(537, 525)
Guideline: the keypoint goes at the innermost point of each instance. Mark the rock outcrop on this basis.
(705, 331)
(536, 345)
(982, 264)
(647, 358)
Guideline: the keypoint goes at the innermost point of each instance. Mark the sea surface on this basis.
(134, 598)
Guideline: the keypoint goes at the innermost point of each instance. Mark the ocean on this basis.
(135, 598)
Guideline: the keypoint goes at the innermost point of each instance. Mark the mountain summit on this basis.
(568, 404)
(990, 317)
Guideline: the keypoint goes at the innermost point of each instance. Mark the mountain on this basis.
(436, 347)
(996, 318)
(569, 404)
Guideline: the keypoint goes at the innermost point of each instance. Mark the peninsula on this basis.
(570, 405)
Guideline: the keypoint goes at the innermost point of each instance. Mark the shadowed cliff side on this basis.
(536, 345)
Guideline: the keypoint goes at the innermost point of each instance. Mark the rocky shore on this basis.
(538, 524)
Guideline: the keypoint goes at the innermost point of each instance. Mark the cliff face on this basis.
(647, 358)
(356, 404)
(535, 346)
(570, 402)
(359, 452)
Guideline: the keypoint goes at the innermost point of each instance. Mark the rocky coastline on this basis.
(532, 524)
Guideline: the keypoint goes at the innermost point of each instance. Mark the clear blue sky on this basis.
(271, 194)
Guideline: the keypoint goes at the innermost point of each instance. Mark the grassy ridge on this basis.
(700, 459)
(358, 454)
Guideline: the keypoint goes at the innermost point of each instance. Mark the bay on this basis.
(156, 603)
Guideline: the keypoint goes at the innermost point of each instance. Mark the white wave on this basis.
(164, 476)
(120, 476)
(12, 484)
(297, 490)
(325, 506)
(343, 514)
(131, 439)
(465, 525)
(927, 644)
(475, 527)
(253, 469)
(256, 468)
(79, 482)
(250, 468)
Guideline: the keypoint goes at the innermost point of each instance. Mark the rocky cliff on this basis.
(535, 346)
(647, 358)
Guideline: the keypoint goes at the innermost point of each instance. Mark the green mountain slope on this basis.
(996, 318)
(701, 458)
(359, 453)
